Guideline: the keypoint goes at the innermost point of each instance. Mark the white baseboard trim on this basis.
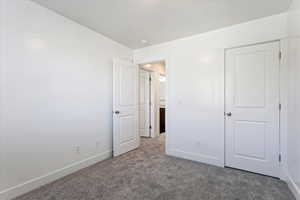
(293, 186)
(283, 173)
(195, 157)
(52, 176)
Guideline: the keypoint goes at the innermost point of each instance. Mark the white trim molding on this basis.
(211, 160)
(293, 186)
(52, 176)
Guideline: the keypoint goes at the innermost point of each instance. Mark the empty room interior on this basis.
(150, 100)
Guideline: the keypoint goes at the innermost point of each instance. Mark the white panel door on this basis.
(144, 104)
(125, 107)
(252, 108)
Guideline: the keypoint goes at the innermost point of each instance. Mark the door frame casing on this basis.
(166, 60)
(282, 87)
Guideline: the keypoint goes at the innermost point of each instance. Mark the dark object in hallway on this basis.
(148, 174)
(162, 117)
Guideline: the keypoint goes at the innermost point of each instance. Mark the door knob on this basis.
(229, 114)
(117, 112)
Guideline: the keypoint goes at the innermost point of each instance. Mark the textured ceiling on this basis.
(130, 21)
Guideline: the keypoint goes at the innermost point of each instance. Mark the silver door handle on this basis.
(229, 114)
(117, 112)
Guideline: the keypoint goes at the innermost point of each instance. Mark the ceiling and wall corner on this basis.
(132, 21)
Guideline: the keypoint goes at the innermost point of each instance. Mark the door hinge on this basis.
(279, 158)
(280, 106)
(280, 55)
(150, 127)
(150, 79)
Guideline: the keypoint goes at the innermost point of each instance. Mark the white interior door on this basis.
(144, 104)
(125, 107)
(252, 108)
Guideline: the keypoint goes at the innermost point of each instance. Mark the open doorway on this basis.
(152, 99)
(139, 104)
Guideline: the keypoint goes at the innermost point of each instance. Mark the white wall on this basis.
(293, 139)
(56, 94)
(195, 71)
(2, 14)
